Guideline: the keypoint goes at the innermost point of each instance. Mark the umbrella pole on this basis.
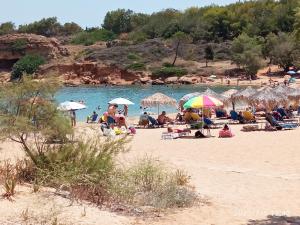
(158, 110)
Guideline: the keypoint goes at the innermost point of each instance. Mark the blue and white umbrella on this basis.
(291, 72)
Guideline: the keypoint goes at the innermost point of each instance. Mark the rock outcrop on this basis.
(15, 46)
(92, 74)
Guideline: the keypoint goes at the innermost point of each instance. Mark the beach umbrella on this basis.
(202, 101)
(211, 93)
(227, 96)
(157, 100)
(294, 94)
(121, 101)
(243, 94)
(291, 72)
(187, 97)
(283, 89)
(298, 71)
(268, 98)
(69, 105)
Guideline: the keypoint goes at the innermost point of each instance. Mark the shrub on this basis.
(90, 37)
(137, 37)
(133, 56)
(19, 45)
(28, 64)
(136, 66)
(169, 71)
(150, 183)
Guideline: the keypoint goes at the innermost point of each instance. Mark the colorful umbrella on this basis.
(203, 101)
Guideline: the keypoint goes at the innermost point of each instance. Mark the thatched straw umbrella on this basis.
(157, 100)
(187, 97)
(294, 95)
(268, 98)
(211, 93)
(282, 89)
(243, 94)
(227, 96)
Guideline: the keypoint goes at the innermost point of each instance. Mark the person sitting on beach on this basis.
(225, 132)
(277, 116)
(144, 119)
(290, 112)
(190, 116)
(248, 116)
(221, 113)
(282, 112)
(179, 117)
(92, 118)
(163, 119)
(122, 122)
(240, 118)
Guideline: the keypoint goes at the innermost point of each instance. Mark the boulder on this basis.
(158, 82)
(171, 80)
(188, 80)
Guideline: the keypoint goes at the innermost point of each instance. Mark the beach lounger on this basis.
(281, 125)
(175, 134)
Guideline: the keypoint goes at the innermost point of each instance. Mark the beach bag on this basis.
(132, 130)
(225, 134)
(199, 134)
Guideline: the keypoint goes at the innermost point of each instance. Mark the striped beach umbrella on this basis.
(203, 101)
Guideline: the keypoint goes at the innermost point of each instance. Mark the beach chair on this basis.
(175, 134)
(281, 125)
(233, 117)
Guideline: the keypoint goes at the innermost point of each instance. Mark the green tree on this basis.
(297, 24)
(209, 54)
(29, 116)
(71, 28)
(118, 21)
(282, 50)
(47, 27)
(7, 28)
(247, 52)
(28, 64)
(178, 40)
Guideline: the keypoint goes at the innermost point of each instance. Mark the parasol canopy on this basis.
(291, 72)
(211, 93)
(68, 105)
(244, 94)
(157, 100)
(294, 94)
(187, 97)
(283, 89)
(121, 101)
(268, 98)
(202, 101)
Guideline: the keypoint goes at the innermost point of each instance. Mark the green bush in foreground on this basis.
(88, 171)
(170, 71)
(28, 64)
(91, 37)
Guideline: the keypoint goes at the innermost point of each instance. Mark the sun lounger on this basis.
(281, 125)
(249, 128)
(175, 134)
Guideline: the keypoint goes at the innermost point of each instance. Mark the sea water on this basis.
(97, 98)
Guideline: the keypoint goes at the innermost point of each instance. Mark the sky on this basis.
(87, 13)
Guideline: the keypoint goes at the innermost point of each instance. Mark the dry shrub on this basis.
(150, 183)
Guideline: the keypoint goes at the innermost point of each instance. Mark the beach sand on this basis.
(247, 177)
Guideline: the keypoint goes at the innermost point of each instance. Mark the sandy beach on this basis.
(247, 177)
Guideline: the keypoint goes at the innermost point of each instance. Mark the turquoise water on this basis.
(98, 97)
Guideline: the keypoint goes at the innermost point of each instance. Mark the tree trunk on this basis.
(176, 53)
(28, 151)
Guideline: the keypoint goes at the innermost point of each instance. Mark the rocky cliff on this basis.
(15, 46)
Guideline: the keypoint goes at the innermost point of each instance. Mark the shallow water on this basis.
(96, 98)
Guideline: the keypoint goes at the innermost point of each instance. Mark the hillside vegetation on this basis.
(250, 34)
